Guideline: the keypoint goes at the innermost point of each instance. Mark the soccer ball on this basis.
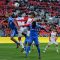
(16, 4)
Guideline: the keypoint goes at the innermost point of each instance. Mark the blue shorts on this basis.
(13, 33)
(35, 39)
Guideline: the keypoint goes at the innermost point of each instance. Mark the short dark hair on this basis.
(33, 24)
(32, 13)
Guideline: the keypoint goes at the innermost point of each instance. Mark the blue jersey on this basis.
(12, 26)
(34, 34)
(11, 23)
(34, 31)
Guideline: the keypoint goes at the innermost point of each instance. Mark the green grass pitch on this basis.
(10, 52)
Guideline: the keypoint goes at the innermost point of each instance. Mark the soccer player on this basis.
(52, 40)
(22, 22)
(13, 26)
(34, 37)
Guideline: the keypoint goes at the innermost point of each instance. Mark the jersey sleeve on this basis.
(39, 26)
(42, 27)
(10, 19)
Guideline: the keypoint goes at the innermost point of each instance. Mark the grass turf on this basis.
(10, 52)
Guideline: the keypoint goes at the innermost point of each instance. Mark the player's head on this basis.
(34, 24)
(8, 14)
(32, 14)
(54, 29)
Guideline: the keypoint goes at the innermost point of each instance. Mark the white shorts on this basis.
(21, 30)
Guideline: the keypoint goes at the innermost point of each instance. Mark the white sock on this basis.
(21, 44)
(45, 48)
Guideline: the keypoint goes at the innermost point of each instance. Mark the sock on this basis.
(21, 44)
(45, 48)
(27, 50)
(38, 50)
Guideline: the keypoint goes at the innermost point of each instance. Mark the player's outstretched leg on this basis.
(46, 48)
(15, 41)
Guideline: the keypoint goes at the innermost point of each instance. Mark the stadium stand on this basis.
(48, 10)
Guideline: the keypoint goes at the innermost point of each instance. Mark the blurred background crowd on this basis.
(46, 11)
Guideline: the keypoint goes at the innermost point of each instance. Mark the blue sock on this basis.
(38, 50)
(27, 50)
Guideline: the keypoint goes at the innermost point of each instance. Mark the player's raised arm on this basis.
(42, 27)
(39, 26)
